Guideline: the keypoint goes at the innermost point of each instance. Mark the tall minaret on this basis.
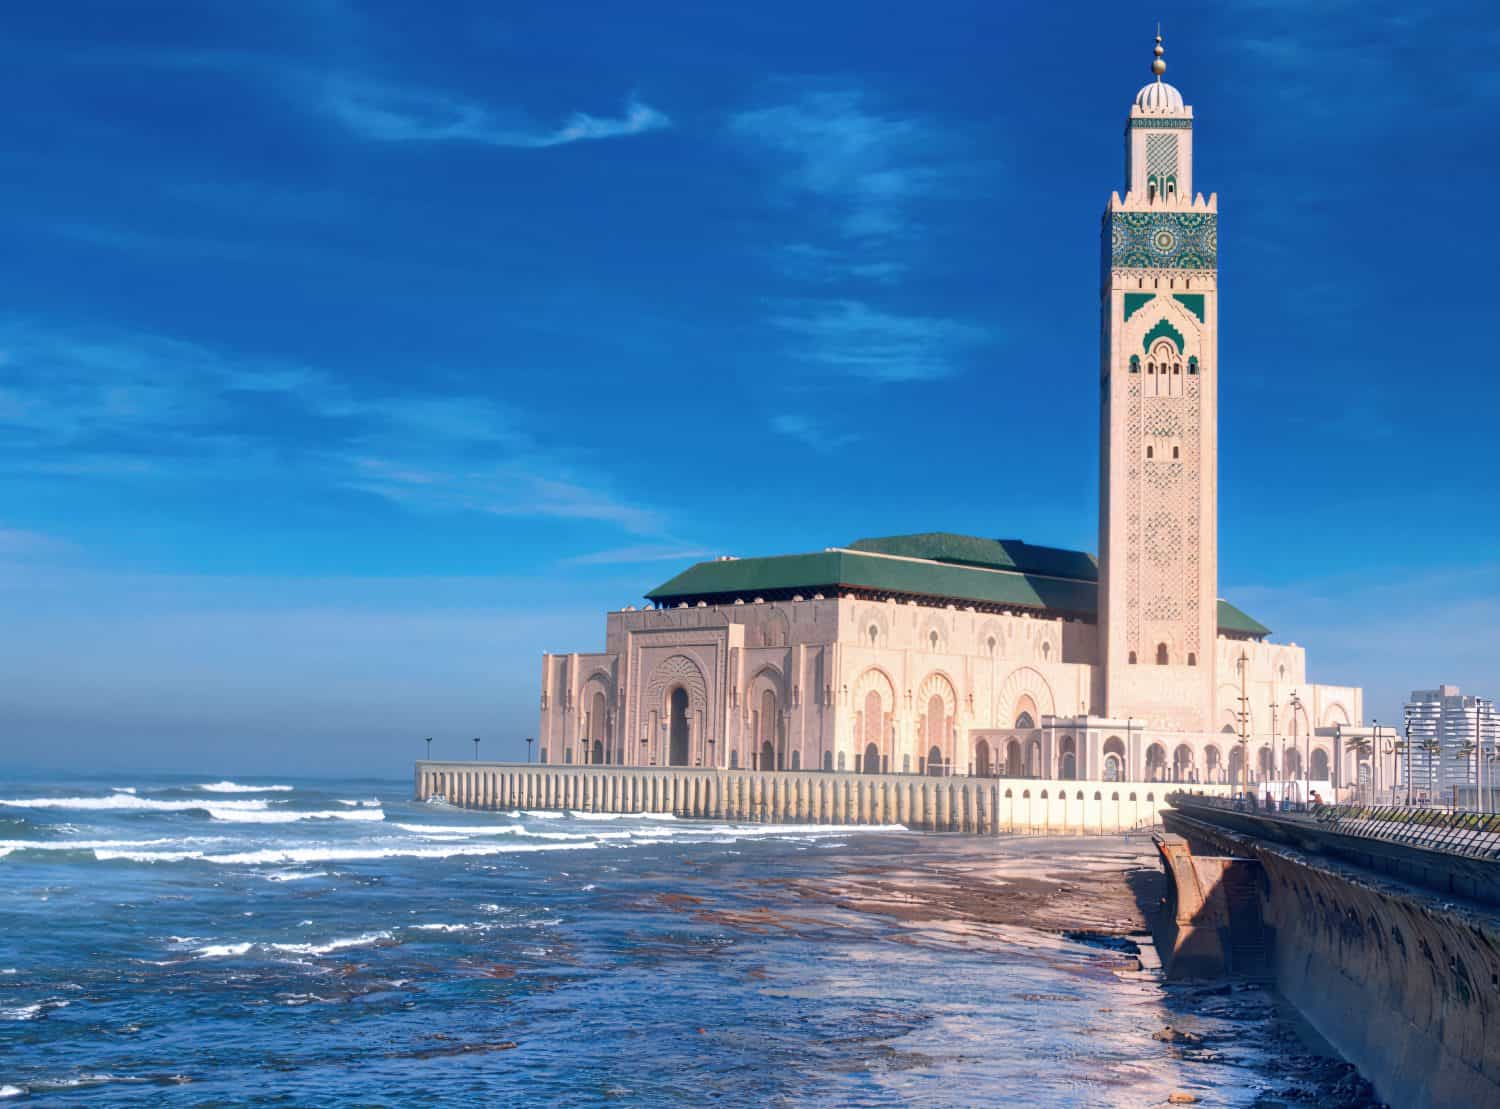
(1158, 540)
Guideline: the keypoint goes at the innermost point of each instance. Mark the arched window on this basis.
(1046, 651)
(1132, 658)
(1135, 363)
(1024, 722)
(1161, 654)
(1192, 659)
(990, 643)
(1192, 365)
(1150, 451)
(1174, 453)
(874, 634)
(827, 760)
(932, 639)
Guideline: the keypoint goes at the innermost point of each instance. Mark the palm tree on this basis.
(1398, 748)
(1433, 746)
(1466, 751)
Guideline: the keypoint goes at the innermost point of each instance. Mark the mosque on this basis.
(942, 654)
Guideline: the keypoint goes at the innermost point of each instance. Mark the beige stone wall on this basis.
(978, 806)
(813, 684)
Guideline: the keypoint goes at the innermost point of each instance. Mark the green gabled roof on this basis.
(1232, 619)
(1003, 554)
(956, 569)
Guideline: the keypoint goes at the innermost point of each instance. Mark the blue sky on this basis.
(355, 354)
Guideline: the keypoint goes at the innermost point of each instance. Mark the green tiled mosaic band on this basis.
(1164, 240)
(1174, 124)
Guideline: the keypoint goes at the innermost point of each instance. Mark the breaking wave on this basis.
(236, 787)
(283, 856)
(235, 950)
(287, 816)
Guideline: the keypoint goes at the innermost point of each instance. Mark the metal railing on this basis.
(1475, 835)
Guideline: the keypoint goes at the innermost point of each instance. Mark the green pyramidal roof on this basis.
(938, 567)
(1000, 554)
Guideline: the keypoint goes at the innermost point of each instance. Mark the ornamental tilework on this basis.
(1135, 301)
(1169, 124)
(1164, 240)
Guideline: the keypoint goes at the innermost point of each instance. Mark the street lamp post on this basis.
(1296, 703)
(429, 748)
(529, 741)
(476, 748)
(1406, 723)
(1276, 742)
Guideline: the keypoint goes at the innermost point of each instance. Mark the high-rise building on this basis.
(1450, 733)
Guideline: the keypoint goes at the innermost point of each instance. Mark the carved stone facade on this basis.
(858, 686)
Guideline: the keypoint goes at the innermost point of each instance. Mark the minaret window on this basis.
(1132, 658)
(1161, 654)
(1150, 451)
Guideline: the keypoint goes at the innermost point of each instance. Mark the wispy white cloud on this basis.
(147, 407)
(852, 338)
(523, 487)
(624, 556)
(811, 432)
(388, 111)
(831, 143)
(827, 266)
(391, 113)
(864, 179)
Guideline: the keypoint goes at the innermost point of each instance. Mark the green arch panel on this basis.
(1163, 328)
(1193, 302)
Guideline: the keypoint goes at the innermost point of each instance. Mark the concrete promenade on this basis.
(980, 806)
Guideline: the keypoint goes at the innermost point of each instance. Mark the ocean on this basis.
(186, 941)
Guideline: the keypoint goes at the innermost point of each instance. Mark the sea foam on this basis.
(236, 787)
(129, 802)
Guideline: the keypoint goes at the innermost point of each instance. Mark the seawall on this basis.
(1402, 981)
(983, 806)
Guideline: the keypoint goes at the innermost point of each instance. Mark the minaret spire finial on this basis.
(1158, 66)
